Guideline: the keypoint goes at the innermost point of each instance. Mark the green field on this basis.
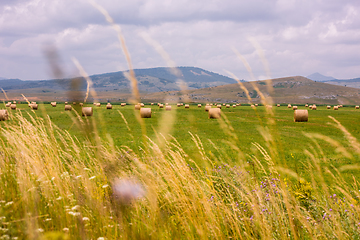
(262, 160)
(288, 136)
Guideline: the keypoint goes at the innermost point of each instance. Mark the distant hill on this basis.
(319, 77)
(355, 82)
(1, 78)
(149, 80)
(296, 90)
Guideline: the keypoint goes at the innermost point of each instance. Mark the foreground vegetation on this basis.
(251, 174)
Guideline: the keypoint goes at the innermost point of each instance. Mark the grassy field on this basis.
(204, 178)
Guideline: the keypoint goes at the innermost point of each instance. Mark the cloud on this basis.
(298, 37)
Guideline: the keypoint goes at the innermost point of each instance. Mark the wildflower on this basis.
(101, 238)
(75, 207)
(86, 219)
(40, 230)
(92, 177)
(8, 204)
(48, 219)
(330, 209)
(126, 190)
(66, 230)
(105, 186)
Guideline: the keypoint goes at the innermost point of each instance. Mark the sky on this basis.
(278, 38)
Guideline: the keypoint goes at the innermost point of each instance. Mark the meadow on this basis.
(179, 175)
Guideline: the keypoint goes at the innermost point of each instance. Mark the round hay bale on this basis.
(227, 106)
(278, 105)
(182, 104)
(356, 107)
(187, 106)
(166, 104)
(310, 107)
(87, 111)
(161, 105)
(4, 116)
(313, 107)
(53, 104)
(13, 106)
(211, 104)
(256, 105)
(306, 105)
(199, 105)
(68, 107)
(81, 104)
(234, 105)
(108, 106)
(98, 104)
(74, 103)
(289, 105)
(301, 115)
(168, 108)
(269, 106)
(33, 103)
(14, 102)
(294, 107)
(336, 107)
(214, 113)
(137, 107)
(152, 104)
(8, 104)
(123, 104)
(224, 104)
(328, 107)
(207, 108)
(178, 105)
(66, 103)
(145, 112)
(341, 106)
(34, 106)
(218, 106)
(142, 105)
(252, 106)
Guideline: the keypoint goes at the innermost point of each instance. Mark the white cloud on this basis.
(298, 37)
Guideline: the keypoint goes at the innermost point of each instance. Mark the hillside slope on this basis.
(299, 90)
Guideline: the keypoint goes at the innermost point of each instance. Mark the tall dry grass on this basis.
(52, 185)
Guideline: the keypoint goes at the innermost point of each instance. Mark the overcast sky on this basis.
(298, 37)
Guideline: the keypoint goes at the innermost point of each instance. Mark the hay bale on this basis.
(313, 107)
(278, 105)
(187, 106)
(74, 103)
(356, 107)
(13, 106)
(234, 105)
(68, 107)
(256, 105)
(328, 107)
(341, 106)
(294, 107)
(224, 104)
(87, 111)
(152, 104)
(301, 115)
(34, 106)
(98, 104)
(289, 105)
(145, 112)
(218, 106)
(214, 113)
(178, 105)
(123, 104)
(81, 104)
(207, 108)
(211, 104)
(14, 102)
(53, 104)
(269, 106)
(182, 104)
(199, 105)
(306, 105)
(310, 107)
(166, 104)
(66, 103)
(137, 107)
(108, 106)
(336, 107)
(227, 106)
(161, 105)
(4, 116)
(252, 106)
(142, 105)
(168, 108)
(8, 104)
